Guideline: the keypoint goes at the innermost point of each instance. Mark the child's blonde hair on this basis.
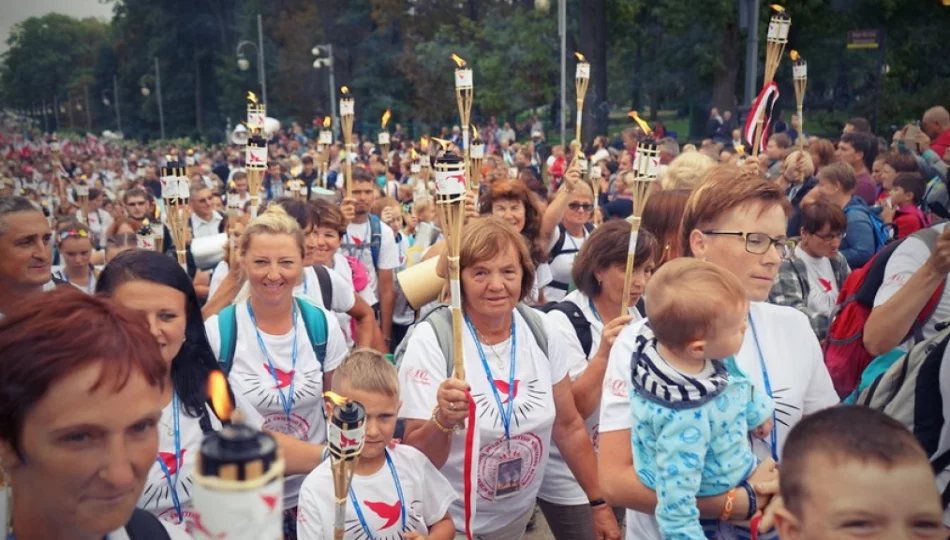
(686, 297)
(368, 371)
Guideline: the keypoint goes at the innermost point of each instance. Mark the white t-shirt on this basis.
(217, 277)
(203, 228)
(542, 276)
(358, 238)
(342, 266)
(403, 313)
(156, 497)
(822, 284)
(797, 375)
(907, 259)
(251, 377)
(59, 272)
(562, 265)
(423, 370)
(559, 485)
(426, 494)
(99, 222)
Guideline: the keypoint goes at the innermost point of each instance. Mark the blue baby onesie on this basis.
(690, 434)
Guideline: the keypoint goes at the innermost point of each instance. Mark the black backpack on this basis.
(144, 526)
(558, 247)
(326, 285)
(579, 321)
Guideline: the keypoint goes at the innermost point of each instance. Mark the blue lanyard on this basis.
(286, 400)
(768, 389)
(402, 501)
(593, 308)
(173, 483)
(505, 413)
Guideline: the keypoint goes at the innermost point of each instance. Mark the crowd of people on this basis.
(767, 289)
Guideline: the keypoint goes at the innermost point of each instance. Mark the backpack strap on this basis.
(145, 526)
(559, 243)
(315, 321)
(535, 324)
(376, 239)
(227, 328)
(326, 285)
(578, 321)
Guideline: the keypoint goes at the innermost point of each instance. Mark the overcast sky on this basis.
(14, 11)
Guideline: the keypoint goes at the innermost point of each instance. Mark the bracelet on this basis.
(753, 499)
(729, 506)
(442, 428)
(597, 502)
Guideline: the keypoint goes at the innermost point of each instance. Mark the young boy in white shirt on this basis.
(396, 492)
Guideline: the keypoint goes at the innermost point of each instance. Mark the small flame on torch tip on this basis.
(412, 154)
(386, 116)
(218, 393)
(474, 132)
(580, 57)
(251, 97)
(635, 116)
(344, 90)
(459, 61)
(777, 8)
(335, 398)
(326, 121)
(442, 142)
(424, 143)
(794, 55)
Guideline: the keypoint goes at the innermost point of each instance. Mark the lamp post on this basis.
(115, 96)
(143, 82)
(327, 62)
(244, 64)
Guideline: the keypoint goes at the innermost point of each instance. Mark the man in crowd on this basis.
(274, 181)
(936, 124)
(714, 124)
(309, 174)
(836, 184)
(25, 238)
(204, 220)
(856, 125)
(859, 150)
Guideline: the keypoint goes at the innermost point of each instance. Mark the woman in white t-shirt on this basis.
(522, 396)
(155, 285)
(79, 430)
(566, 225)
(590, 319)
(810, 278)
(75, 247)
(275, 364)
(733, 219)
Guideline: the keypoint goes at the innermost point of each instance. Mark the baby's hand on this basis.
(763, 430)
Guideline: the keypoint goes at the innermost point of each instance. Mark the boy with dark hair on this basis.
(904, 212)
(853, 472)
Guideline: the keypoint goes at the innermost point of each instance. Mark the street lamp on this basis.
(115, 95)
(157, 80)
(243, 63)
(327, 62)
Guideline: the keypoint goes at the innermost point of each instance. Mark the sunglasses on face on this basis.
(580, 206)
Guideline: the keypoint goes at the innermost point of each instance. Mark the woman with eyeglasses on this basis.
(734, 219)
(810, 278)
(566, 225)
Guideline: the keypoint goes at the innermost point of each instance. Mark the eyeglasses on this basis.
(758, 243)
(832, 236)
(580, 206)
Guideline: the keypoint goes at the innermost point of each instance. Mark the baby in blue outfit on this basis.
(692, 407)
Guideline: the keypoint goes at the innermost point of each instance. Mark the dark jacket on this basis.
(795, 222)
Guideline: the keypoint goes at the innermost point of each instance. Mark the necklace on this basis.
(498, 359)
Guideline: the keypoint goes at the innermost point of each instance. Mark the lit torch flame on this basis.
(251, 97)
(386, 116)
(777, 8)
(218, 393)
(795, 56)
(580, 57)
(424, 143)
(412, 154)
(459, 61)
(335, 398)
(635, 116)
(344, 90)
(326, 121)
(442, 142)
(474, 132)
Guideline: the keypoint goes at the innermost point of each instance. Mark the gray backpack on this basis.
(441, 320)
(909, 392)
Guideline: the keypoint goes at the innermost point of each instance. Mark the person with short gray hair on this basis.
(25, 237)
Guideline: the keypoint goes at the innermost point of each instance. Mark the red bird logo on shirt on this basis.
(502, 387)
(283, 377)
(270, 501)
(168, 458)
(825, 284)
(357, 241)
(391, 513)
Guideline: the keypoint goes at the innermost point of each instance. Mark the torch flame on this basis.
(218, 393)
(335, 398)
(459, 61)
(474, 132)
(326, 121)
(412, 154)
(580, 57)
(635, 116)
(251, 97)
(424, 143)
(777, 8)
(386, 116)
(795, 56)
(344, 90)
(442, 142)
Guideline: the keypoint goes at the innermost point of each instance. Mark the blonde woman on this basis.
(279, 350)
(687, 170)
(566, 225)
